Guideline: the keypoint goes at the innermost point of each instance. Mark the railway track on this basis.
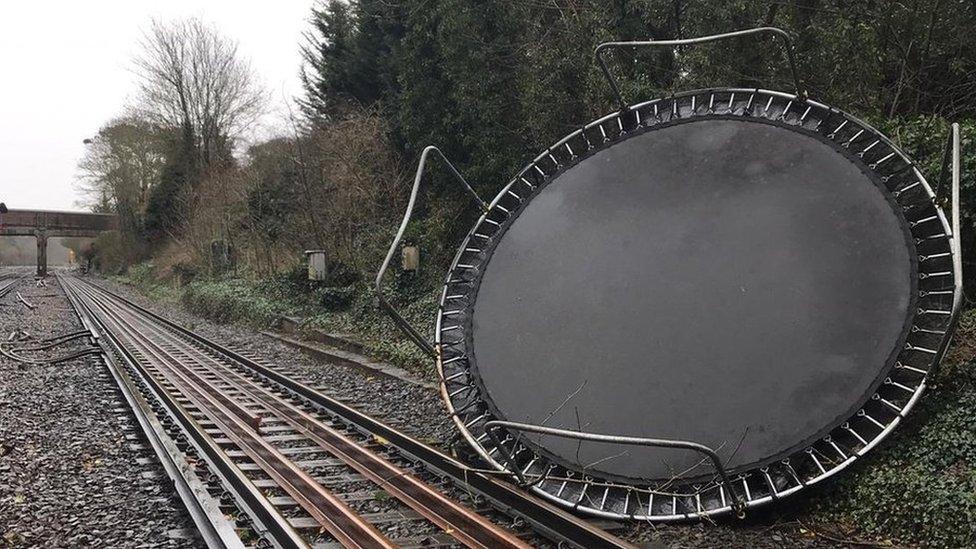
(262, 459)
(7, 282)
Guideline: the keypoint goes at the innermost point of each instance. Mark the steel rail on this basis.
(344, 524)
(215, 530)
(463, 524)
(253, 502)
(466, 526)
(14, 279)
(544, 517)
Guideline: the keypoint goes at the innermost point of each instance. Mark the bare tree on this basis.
(121, 165)
(193, 78)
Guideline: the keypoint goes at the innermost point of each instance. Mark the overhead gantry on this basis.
(44, 224)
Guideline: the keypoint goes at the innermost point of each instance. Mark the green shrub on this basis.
(231, 300)
(920, 485)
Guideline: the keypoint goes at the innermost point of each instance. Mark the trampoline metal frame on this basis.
(939, 306)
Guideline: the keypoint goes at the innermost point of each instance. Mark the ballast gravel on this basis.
(74, 470)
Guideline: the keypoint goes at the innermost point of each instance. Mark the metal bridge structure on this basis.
(44, 224)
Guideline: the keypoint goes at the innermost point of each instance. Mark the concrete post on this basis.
(41, 253)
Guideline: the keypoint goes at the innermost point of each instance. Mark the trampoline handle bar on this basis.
(415, 336)
(738, 505)
(787, 45)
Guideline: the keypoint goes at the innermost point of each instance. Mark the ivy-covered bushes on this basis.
(920, 485)
(231, 300)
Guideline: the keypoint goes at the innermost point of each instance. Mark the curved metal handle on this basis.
(418, 339)
(738, 505)
(787, 43)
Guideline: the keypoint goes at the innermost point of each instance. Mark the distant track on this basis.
(7, 282)
(307, 468)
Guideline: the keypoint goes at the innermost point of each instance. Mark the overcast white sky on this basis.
(65, 69)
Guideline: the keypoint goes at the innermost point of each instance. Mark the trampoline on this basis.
(696, 304)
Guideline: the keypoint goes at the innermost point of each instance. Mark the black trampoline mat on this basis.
(730, 282)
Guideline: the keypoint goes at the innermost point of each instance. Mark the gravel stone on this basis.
(68, 475)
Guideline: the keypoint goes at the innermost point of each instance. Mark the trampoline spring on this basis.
(796, 477)
(731, 100)
(923, 276)
(805, 113)
(870, 418)
(933, 312)
(847, 143)
(538, 169)
(749, 103)
(868, 148)
(570, 149)
(453, 360)
(836, 448)
(910, 368)
(933, 256)
(889, 381)
(906, 188)
(461, 390)
(910, 347)
(698, 505)
(674, 505)
(526, 181)
(837, 129)
(923, 293)
(769, 481)
(769, 103)
(848, 427)
(603, 501)
(782, 115)
(920, 221)
(711, 103)
(586, 138)
(883, 160)
(816, 461)
(889, 404)
(503, 208)
(517, 197)
(452, 377)
(620, 125)
(479, 235)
